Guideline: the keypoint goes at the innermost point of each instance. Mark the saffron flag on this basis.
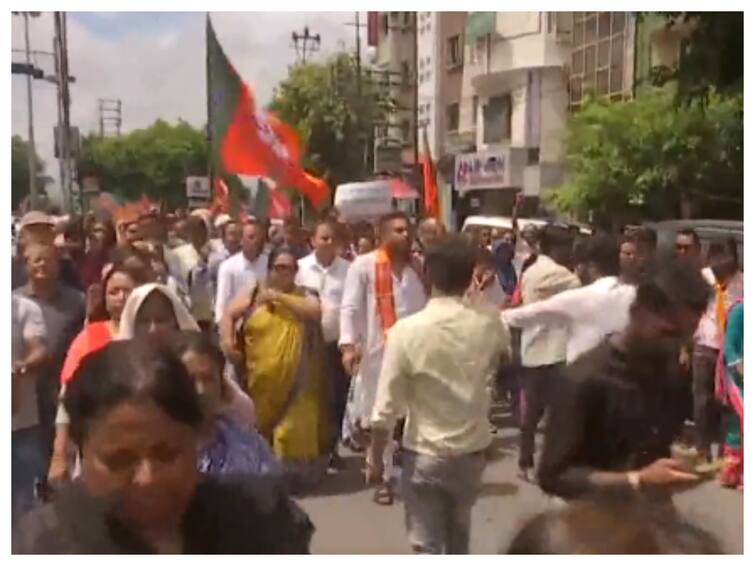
(432, 206)
(247, 140)
(219, 197)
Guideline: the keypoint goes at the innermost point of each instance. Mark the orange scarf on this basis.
(721, 308)
(384, 290)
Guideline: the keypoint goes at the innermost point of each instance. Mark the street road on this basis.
(348, 522)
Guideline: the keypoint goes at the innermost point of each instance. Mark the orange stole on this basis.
(384, 290)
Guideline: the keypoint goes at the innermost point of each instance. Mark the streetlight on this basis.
(32, 149)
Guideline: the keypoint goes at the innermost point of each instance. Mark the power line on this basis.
(110, 112)
(310, 43)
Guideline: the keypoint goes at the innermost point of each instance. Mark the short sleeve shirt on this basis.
(27, 324)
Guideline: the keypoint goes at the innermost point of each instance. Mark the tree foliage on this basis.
(333, 115)
(19, 171)
(153, 161)
(712, 56)
(645, 158)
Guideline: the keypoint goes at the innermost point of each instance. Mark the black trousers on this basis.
(538, 382)
(338, 384)
(706, 408)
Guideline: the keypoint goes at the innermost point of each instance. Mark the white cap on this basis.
(222, 220)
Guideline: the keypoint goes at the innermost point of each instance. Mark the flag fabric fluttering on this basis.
(220, 204)
(431, 204)
(247, 140)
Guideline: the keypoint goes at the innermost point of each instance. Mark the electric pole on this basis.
(310, 43)
(110, 111)
(32, 154)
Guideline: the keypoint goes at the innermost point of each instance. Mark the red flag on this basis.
(220, 197)
(432, 207)
(257, 143)
(279, 206)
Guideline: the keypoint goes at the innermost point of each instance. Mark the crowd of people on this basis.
(178, 378)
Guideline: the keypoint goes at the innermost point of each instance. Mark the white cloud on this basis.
(161, 75)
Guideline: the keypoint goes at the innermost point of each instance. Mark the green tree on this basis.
(333, 114)
(153, 161)
(649, 158)
(19, 171)
(712, 55)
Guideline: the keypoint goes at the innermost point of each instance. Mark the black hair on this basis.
(670, 281)
(450, 261)
(325, 221)
(127, 370)
(278, 251)
(74, 229)
(553, 237)
(197, 342)
(611, 527)
(600, 250)
(690, 232)
(225, 226)
(485, 257)
(391, 216)
(645, 236)
(723, 247)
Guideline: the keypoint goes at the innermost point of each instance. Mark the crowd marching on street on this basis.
(181, 379)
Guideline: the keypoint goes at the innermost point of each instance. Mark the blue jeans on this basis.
(27, 464)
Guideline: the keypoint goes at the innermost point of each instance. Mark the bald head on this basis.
(429, 231)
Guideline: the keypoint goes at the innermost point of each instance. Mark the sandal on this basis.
(383, 495)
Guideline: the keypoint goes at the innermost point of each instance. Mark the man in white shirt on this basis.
(244, 268)
(543, 345)
(28, 354)
(589, 313)
(324, 272)
(438, 369)
(366, 314)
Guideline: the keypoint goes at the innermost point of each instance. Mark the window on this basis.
(407, 18)
(497, 119)
(479, 49)
(598, 56)
(405, 74)
(475, 108)
(452, 117)
(454, 55)
(405, 127)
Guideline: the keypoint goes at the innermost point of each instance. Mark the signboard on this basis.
(357, 201)
(198, 188)
(90, 185)
(484, 170)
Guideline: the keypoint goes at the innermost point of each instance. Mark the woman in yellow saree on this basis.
(284, 375)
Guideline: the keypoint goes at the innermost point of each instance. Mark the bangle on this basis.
(634, 480)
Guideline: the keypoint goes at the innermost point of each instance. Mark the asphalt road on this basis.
(348, 522)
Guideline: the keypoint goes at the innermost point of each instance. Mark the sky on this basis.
(155, 63)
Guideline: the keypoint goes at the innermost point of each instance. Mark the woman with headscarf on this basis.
(157, 311)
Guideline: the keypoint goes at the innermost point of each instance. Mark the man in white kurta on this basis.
(361, 326)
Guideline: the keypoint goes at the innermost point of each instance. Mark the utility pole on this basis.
(309, 42)
(415, 105)
(110, 111)
(32, 149)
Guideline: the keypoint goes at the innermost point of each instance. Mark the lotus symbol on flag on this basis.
(268, 135)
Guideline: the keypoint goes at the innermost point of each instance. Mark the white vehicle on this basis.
(499, 222)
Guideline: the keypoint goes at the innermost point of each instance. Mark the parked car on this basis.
(707, 230)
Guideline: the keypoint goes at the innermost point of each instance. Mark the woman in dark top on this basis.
(136, 418)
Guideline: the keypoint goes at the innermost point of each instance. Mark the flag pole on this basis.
(210, 168)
